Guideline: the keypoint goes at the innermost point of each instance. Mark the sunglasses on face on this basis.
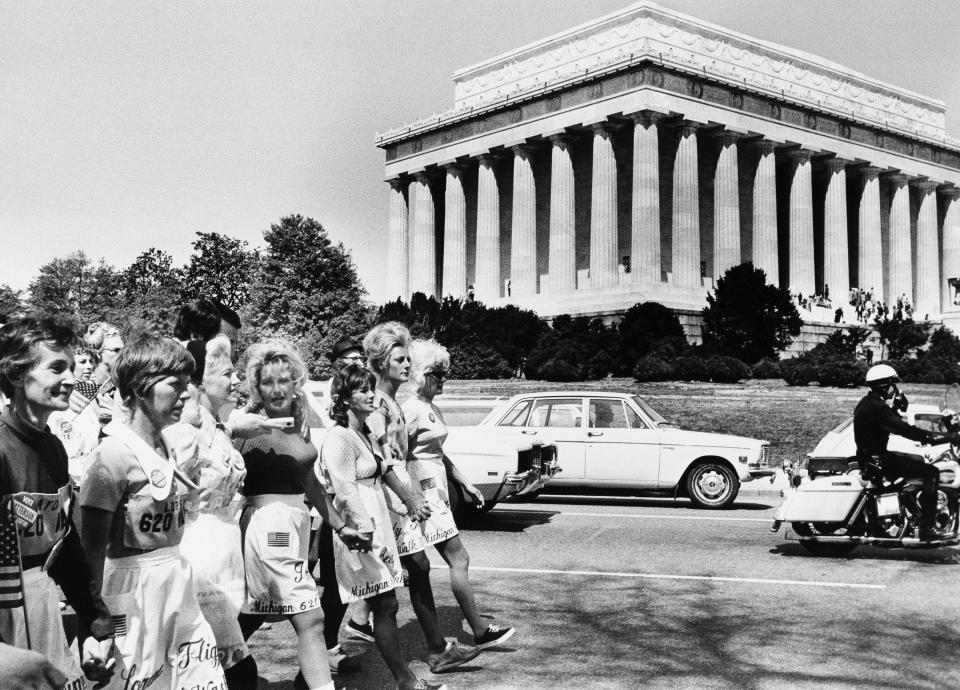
(438, 375)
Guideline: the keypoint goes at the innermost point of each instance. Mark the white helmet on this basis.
(881, 374)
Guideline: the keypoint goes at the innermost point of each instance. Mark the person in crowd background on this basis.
(429, 468)
(133, 516)
(275, 522)
(212, 517)
(20, 668)
(386, 347)
(367, 562)
(104, 339)
(78, 428)
(36, 362)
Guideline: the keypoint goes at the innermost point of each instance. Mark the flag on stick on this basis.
(11, 572)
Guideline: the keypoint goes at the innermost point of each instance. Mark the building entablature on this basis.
(645, 45)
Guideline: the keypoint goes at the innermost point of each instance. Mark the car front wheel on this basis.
(712, 485)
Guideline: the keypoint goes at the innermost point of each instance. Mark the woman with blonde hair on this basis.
(275, 523)
(429, 468)
(104, 339)
(386, 347)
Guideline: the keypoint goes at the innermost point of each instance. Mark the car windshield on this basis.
(465, 415)
(657, 418)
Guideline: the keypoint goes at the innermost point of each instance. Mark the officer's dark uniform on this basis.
(873, 422)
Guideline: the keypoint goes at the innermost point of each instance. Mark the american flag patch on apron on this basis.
(119, 624)
(278, 539)
(428, 483)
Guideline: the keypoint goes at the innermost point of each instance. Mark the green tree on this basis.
(11, 303)
(900, 337)
(74, 286)
(748, 318)
(221, 268)
(644, 326)
(307, 289)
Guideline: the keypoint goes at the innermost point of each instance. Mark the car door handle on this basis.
(529, 433)
(594, 433)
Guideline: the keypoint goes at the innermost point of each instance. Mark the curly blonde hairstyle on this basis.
(427, 355)
(99, 331)
(274, 351)
(381, 339)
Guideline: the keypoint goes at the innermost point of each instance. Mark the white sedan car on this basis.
(617, 441)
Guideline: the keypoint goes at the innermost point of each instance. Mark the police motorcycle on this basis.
(834, 509)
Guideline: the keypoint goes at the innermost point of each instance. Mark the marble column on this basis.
(726, 206)
(454, 233)
(869, 242)
(603, 209)
(487, 278)
(645, 216)
(765, 243)
(423, 257)
(562, 252)
(802, 277)
(951, 245)
(836, 266)
(686, 210)
(397, 238)
(523, 232)
(899, 252)
(927, 293)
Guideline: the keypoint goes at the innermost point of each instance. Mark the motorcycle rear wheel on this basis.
(822, 548)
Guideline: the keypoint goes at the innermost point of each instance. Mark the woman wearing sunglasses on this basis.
(429, 469)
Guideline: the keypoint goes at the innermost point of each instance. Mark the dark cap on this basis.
(343, 346)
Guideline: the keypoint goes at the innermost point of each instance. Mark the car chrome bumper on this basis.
(766, 472)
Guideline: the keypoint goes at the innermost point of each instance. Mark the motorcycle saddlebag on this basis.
(826, 498)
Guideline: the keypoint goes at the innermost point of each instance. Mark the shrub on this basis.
(842, 372)
(689, 369)
(766, 369)
(933, 376)
(477, 361)
(559, 370)
(601, 365)
(797, 372)
(726, 369)
(652, 369)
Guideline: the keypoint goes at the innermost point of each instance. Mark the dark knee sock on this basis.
(333, 612)
(242, 676)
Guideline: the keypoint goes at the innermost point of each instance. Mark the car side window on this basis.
(633, 419)
(517, 416)
(556, 412)
(606, 413)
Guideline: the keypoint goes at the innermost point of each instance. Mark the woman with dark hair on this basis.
(275, 525)
(132, 505)
(367, 562)
(198, 319)
(36, 359)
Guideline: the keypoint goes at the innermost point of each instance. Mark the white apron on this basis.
(363, 575)
(429, 478)
(215, 519)
(46, 627)
(162, 638)
(276, 539)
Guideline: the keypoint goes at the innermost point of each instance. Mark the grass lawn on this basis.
(793, 419)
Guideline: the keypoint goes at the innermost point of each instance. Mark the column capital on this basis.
(398, 184)
(562, 139)
(897, 177)
(647, 118)
(454, 168)
(869, 172)
(835, 164)
(764, 146)
(488, 159)
(687, 127)
(949, 191)
(523, 150)
(800, 156)
(607, 127)
(923, 185)
(424, 176)
(728, 137)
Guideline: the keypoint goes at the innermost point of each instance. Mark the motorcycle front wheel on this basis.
(824, 548)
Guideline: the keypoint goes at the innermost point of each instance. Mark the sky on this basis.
(125, 126)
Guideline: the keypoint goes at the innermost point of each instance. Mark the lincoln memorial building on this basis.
(639, 156)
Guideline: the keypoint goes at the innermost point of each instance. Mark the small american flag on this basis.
(428, 483)
(11, 574)
(119, 624)
(278, 540)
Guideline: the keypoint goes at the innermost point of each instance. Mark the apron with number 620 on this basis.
(153, 524)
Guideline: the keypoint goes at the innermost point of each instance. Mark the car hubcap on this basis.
(712, 484)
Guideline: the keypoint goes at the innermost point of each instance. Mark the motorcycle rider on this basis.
(873, 422)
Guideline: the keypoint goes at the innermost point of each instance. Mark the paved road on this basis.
(627, 592)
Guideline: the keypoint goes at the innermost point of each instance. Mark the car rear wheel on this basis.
(712, 485)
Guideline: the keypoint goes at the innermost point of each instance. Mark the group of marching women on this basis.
(192, 523)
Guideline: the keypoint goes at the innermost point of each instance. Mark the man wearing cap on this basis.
(873, 422)
(345, 351)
